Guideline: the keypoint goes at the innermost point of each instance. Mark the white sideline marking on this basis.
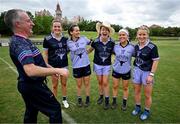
(64, 114)
(14, 70)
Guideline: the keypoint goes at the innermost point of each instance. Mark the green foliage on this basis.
(169, 31)
(132, 33)
(42, 24)
(156, 31)
(116, 27)
(30, 15)
(87, 25)
(66, 26)
(4, 30)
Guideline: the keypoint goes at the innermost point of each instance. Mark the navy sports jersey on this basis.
(123, 55)
(23, 52)
(57, 51)
(144, 57)
(103, 52)
(78, 52)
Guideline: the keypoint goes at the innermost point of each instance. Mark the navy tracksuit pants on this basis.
(38, 97)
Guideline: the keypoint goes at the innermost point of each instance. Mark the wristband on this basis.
(151, 74)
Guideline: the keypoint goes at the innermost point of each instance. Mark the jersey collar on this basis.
(19, 35)
(124, 46)
(147, 42)
(109, 39)
(52, 34)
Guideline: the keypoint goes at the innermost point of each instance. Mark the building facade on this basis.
(58, 14)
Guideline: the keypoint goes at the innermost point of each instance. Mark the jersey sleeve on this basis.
(24, 54)
(87, 40)
(133, 50)
(114, 49)
(154, 53)
(113, 45)
(67, 48)
(93, 44)
(45, 44)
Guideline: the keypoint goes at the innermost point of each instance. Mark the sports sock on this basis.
(64, 98)
(124, 101)
(138, 105)
(101, 96)
(114, 99)
(87, 99)
(107, 100)
(147, 109)
(79, 99)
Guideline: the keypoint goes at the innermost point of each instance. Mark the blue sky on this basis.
(131, 13)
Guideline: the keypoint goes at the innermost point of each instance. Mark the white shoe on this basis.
(65, 103)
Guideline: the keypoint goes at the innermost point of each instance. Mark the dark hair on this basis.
(11, 16)
(71, 28)
(104, 27)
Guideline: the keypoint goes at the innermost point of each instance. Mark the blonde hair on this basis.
(144, 27)
(56, 20)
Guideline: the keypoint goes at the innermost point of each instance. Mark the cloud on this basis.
(73, 8)
(131, 13)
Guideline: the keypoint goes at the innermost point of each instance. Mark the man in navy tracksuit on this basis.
(32, 70)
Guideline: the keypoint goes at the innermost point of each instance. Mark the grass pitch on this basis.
(166, 94)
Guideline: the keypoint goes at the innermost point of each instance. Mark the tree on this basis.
(42, 24)
(158, 31)
(4, 30)
(30, 15)
(132, 33)
(116, 27)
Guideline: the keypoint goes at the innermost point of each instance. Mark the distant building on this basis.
(58, 15)
(43, 13)
(77, 19)
(155, 26)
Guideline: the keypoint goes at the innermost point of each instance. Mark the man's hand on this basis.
(63, 71)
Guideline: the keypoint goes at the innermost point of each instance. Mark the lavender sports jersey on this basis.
(123, 55)
(78, 52)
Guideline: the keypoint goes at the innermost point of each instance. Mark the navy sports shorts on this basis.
(126, 76)
(81, 72)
